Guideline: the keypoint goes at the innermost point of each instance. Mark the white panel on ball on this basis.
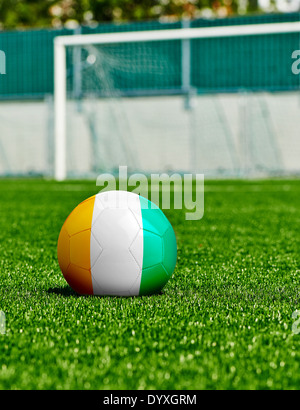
(116, 227)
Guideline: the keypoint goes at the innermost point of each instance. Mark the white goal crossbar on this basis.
(60, 71)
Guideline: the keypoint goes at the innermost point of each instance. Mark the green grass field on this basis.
(224, 321)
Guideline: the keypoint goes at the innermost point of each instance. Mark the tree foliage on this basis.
(47, 13)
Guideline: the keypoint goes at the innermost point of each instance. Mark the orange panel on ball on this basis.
(63, 250)
(74, 248)
(81, 218)
(80, 280)
(80, 249)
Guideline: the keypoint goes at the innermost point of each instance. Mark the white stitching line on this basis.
(100, 248)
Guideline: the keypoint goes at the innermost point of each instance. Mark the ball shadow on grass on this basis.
(63, 291)
(68, 292)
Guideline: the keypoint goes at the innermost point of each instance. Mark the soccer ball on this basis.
(117, 243)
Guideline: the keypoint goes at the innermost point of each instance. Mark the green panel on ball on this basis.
(154, 220)
(170, 250)
(153, 280)
(159, 248)
(153, 249)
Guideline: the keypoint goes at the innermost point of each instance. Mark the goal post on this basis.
(85, 40)
(60, 97)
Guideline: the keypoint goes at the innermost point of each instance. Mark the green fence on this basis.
(215, 63)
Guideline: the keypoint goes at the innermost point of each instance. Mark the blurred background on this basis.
(222, 106)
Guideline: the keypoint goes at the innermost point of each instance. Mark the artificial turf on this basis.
(224, 321)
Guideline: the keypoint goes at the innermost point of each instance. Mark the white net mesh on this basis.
(127, 106)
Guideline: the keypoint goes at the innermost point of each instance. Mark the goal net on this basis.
(219, 101)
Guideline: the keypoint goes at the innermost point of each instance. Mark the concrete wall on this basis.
(224, 134)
